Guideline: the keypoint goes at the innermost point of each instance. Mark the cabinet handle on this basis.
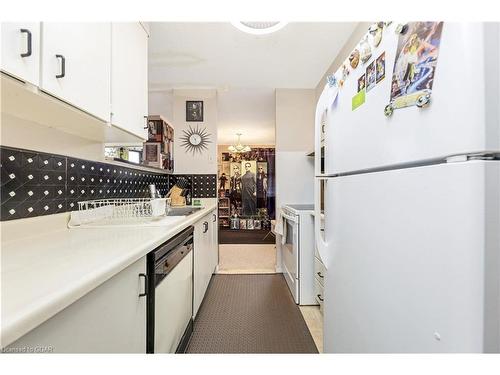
(319, 274)
(215, 218)
(145, 285)
(205, 225)
(63, 66)
(28, 44)
(319, 297)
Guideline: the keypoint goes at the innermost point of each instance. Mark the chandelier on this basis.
(239, 148)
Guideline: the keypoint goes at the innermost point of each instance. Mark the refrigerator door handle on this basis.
(328, 96)
(319, 233)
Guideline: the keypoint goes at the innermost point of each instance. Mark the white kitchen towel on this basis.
(280, 227)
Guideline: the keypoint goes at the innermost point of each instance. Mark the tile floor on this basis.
(314, 321)
(234, 259)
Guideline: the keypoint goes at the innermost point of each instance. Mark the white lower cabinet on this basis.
(214, 241)
(21, 50)
(204, 258)
(76, 65)
(319, 281)
(109, 319)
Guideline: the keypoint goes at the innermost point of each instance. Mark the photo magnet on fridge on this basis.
(370, 76)
(380, 67)
(361, 83)
(415, 64)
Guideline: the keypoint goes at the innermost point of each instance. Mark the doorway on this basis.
(246, 198)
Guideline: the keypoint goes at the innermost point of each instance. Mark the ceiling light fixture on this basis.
(259, 28)
(239, 148)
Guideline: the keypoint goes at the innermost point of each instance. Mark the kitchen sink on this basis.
(182, 211)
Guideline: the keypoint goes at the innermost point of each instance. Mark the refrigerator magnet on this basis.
(365, 50)
(388, 110)
(376, 33)
(354, 59)
(380, 67)
(423, 100)
(361, 83)
(358, 99)
(371, 76)
(415, 64)
(345, 71)
(331, 80)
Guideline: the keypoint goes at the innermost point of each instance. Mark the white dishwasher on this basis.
(170, 295)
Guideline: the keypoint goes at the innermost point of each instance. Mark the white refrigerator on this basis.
(411, 231)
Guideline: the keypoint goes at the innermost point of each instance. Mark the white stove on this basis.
(298, 252)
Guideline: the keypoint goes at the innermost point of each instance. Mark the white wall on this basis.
(161, 103)
(295, 109)
(184, 161)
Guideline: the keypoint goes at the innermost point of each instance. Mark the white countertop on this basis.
(43, 273)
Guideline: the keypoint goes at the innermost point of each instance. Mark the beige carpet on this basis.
(235, 259)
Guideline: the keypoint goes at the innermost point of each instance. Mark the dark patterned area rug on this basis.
(250, 314)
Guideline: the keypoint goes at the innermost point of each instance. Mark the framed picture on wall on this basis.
(194, 111)
(151, 154)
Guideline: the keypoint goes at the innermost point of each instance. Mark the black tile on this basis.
(11, 158)
(36, 183)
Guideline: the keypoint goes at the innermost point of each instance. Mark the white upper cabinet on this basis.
(129, 77)
(76, 65)
(21, 50)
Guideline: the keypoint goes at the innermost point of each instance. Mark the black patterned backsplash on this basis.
(35, 183)
(201, 185)
(204, 185)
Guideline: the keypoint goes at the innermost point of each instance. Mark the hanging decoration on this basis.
(415, 65)
(195, 139)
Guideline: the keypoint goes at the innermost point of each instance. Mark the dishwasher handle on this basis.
(145, 293)
(166, 264)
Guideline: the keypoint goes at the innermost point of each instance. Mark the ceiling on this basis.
(244, 68)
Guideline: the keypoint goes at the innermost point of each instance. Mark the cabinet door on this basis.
(214, 241)
(129, 77)
(202, 272)
(21, 50)
(76, 64)
(109, 319)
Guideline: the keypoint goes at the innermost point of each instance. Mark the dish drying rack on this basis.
(123, 208)
(118, 210)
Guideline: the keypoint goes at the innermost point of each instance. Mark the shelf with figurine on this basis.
(158, 151)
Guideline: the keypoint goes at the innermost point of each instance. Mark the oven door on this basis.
(290, 254)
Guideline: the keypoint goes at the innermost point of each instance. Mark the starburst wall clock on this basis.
(195, 139)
